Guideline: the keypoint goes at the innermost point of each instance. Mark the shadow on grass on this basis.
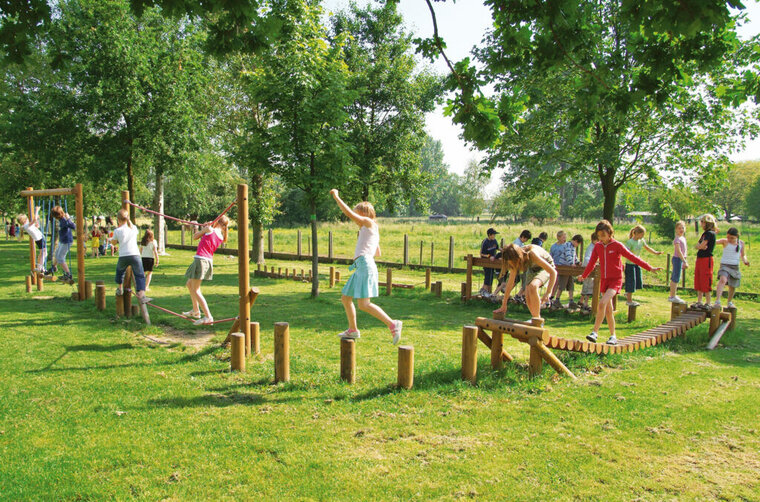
(219, 400)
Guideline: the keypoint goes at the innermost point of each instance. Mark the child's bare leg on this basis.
(611, 319)
(202, 302)
(673, 288)
(731, 291)
(532, 299)
(629, 297)
(148, 275)
(348, 305)
(192, 287)
(366, 305)
(604, 305)
(719, 289)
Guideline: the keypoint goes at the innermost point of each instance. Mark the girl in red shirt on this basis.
(609, 253)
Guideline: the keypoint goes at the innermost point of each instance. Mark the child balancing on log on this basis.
(362, 284)
(538, 266)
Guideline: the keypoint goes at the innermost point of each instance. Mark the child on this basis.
(520, 241)
(678, 261)
(489, 248)
(149, 256)
(633, 281)
(703, 268)
(608, 252)
(557, 251)
(33, 229)
(588, 284)
(733, 253)
(362, 284)
(202, 268)
(129, 255)
(566, 282)
(539, 241)
(539, 270)
(65, 240)
(104, 234)
(95, 240)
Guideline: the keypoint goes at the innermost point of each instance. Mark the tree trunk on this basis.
(158, 206)
(257, 181)
(130, 180)
(314, 250)
(609, 189)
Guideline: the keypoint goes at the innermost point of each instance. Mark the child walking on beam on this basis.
(362, 284)
(129, 255)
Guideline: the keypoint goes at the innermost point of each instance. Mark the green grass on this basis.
(91, 408)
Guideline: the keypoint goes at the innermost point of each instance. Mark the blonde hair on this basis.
(122, 216)
(365, 208)
(223, 223)
(680, 223)
(710, 222)
(516, 256)
(22, 219)
(561, 233)
(638, 229)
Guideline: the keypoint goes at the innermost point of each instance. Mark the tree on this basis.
(728, 188)
(472, 197)
(506, 204)
(542, 207)
(672, 204)
(752, 202)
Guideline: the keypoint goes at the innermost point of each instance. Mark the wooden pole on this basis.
(32, 248)
(468, 278)
(714, 320)
(470, 353)
(676, 309)
(451, 253)
(405, 367)
(332, 277)
(127, 299)
(497, 346)
(550, 358)
(337, 276)
(347, 360)
(79, 198)
(406, 250)
(667, 270)
(389, 281)
(281, 352)
(120, 306)
(732, 312)
(237, 348)
(40, 282)
(597, 293)
(427, 278)
(182, 234)
(432, 250)
(421, 246)
(536, 357)
(270, 241)
(298, 247)
(631, 313)
(438, 288)
(330, 245)
(28, 283)
(244, 279)
(87, 290)
(253, 346)
(718, 335)
(100, 295)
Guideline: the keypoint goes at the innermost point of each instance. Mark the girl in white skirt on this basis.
(729, 274)
(362, 284)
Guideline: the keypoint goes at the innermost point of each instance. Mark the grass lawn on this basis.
(96, 408)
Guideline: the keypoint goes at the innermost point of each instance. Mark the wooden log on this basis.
(100, 295)
(470, 353)
(29, 192)
(468, 278)
(536, 361)
(548, 356)
(497, 347)
(631, 313)
(279, 272)
(432, 249)
(718, 335)
(281, 352)
(422, 245)
(270, 241)
(406, 250)
(348, 360)
(337, 276)
(389, 281)
(714, 320)
(253, 346)
(427, 278)
(332, 277)
(463, 291)
(405, 367)
(520, 331)
(40, 282)
(298, 248)
(732, 312)
(135, 310)
(33, 276)
(28, 283)
(438, 288)
(119, 305)
(87, 290)
(451, 253)
(677, 309)
(330, 245)
(127, 298)
(483, 337)
(237, 349)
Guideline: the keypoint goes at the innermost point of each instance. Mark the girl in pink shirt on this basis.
(202, 268)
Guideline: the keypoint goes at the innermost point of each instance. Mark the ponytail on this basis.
(223, 223)
(123, 217)
(638, 229)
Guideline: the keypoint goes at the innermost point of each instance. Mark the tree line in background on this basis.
(597, 109)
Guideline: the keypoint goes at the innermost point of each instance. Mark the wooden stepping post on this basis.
(253, 345)
(40, 282)
(497, 346)
(281, 352)
(405, 367)
(470, 353)
(732, 313)
(714, 320)
(127, 297)
(632, 313)
(87, 290)
(463, 291)
(438, 288)
(100, 295)
(389, 281)
(119, 305)
(332, 277)
(28, 283)
(676, 309)
(337, 276)
(237, 345)
(348, 360)
(427, 278)
(33, 276)
(135, 310)
(536, 357)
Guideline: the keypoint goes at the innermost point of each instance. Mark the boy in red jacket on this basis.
(609, 253)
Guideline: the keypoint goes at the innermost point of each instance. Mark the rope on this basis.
(178, 219)
(66, 208)
(189, 318)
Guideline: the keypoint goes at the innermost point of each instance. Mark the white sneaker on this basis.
(591, 337)
(672, 299)
(612, 340)
(716, 304)
(676, 299)
(633, 304)
(190, 313)
(351, 335)
(396, 331)
(731, 305)
(204, 320)
(146, 299)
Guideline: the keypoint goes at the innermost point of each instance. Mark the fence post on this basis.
(330, 246)
(299, 245)
(470, 353)
(667, 270)
(406, 250)
(432, 248)
(270, 245)
(451, 252)
(281, 352)
(421, 244)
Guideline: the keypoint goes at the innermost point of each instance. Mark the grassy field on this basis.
(95, 408)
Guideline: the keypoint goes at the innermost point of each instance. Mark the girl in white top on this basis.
(362, 284)
(678, 261)
(33, 229)
(149, 256)
(129, 255)
(733, 254)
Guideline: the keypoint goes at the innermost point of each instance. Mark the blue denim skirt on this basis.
(363, 281)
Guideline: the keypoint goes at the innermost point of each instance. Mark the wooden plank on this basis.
(519, 331)
(47, 193)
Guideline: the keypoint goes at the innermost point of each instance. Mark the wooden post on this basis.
(244, 253)
(87, 290)
(80, 231)
(470, 354)
(298, 250)
(468, 278)
(253, 343)
(497, 345)
(270, 237)
(427, 278)
(406, 250)
(40, 282)
(389, 281)
(439, 288)
(332, 277)
(32, 245)
(732, 312)
(536, 359)
(714, 320)
(330, 245)
(100, 295)
(667, 270)
(347, 360)
(463, 292)
(405, 367)
(631, 313)
(421, 246)
(33, 276)
(597, 293)
(127, 299)
(281, 352)
(676, 309)
(237, 348)
(182, 234)
(432, 250)
(135, 310)
(337, 276)
(279, 272)
(28, 283)
(451, 253)
(120, 306)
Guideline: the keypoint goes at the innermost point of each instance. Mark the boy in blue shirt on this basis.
(489, 248)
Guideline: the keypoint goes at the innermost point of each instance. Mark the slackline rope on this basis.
(189, 318)
(178, 219)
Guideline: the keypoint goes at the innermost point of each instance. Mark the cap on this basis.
(491, 231)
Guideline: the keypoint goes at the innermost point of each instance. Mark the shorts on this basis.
(565, 283)
(675, 275)
(588, 286)
(633, 279)
(731, 273)
(40, 243)
(200, 269)
(61, 251)
(148, 264)
(363, 282)
(532, 274)
(615, 283)
(703, 274)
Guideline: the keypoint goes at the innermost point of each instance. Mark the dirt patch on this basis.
(43, 297)
(195, 339)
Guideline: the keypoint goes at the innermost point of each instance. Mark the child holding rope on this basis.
(362, 284)
(609, 252)
(65, 240)
(211, 236)
(149, 256)
(537, 265)
(129, 255)
(33, 229)
(733, 254)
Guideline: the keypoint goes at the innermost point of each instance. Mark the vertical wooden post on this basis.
(451, 252)
(468, 278)
(244, 279)
(281, 352)
(439, 288)
(470, 353)
(87, 290)
(536, 361)
(298, 247)
(714, 320)
(127, 298)
(40, 282)
(337, 276)
(182, 234)
(32, 245)
(28, 283)
(427, 278)
(497, 346)
(100, 295)
(683, 278)
(631, 313)
(732, 312)
(270, 237)
(463, 291)
(405, 367)
(347, 360)
(237, 348)
(421, 246)
(406, 250)
(120, 306)
(389, 281)
(79, 201)
(597, 293)
(667, 270)
(432, 250)
(254, 347)
(127, 284)
(330, 245)
(332, 277)
(676, 309)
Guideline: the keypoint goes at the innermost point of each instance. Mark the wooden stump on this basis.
(631, 313)
(497, 346)
(120, 305)
(87, 290)
(427, 278)
(536, 362)
(33, 276)
(237, 361)
(676, 309)
(281, 352)
(135, 310)
(332, 277)
(100, 295)
(40, 283)
(438, 288)
(28, 283)
(253, 344)
(337, 276)
(470, 353)
(127, 298)
(348, 360)
(405, 367)
(463, 291)
(714, 320)
(732, 313)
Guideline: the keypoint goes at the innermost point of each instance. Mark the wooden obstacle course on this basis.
(100, 295)
(348, 360)
(281, 352)
(405, 367)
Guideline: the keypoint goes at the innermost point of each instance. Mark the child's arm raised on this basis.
(201, 232)
(646, 246)
(362, 221)
(722, 242)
